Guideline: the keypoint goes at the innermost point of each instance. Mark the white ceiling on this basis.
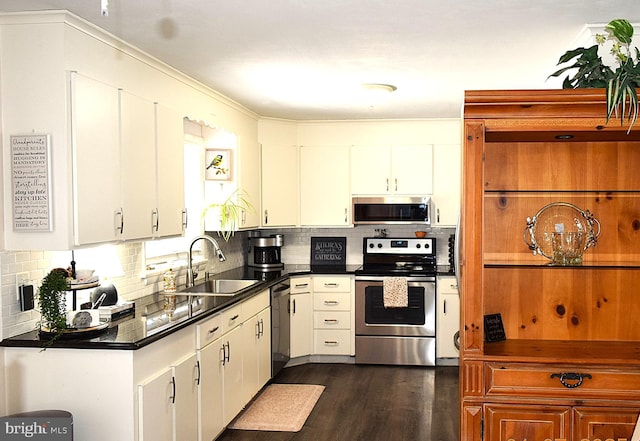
(306, 59)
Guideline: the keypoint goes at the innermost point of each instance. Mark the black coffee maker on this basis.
(265, 252)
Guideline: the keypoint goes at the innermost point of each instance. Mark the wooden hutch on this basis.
(569, 368)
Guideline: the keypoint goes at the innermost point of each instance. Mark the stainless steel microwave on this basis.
(392, 210)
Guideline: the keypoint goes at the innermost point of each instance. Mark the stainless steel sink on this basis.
(220, 287)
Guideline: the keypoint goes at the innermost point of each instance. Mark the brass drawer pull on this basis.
(571, 376)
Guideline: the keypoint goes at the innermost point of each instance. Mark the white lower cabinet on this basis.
(448, 321)
(256, 345)
(168, 403)
(301, 314)
(332, 315)
(234, 351)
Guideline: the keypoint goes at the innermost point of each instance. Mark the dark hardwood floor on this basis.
(370, 402)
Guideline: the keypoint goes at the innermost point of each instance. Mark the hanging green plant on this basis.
(620, 83)
(230, 213)
(52, 301)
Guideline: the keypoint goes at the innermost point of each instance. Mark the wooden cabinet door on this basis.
(504, 422)
(615, 423)
(324, 186)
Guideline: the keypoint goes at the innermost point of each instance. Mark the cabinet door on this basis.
(448, 323)
(249, 180)
(256, 357)
(186, 374)
(138, 176)
(324, 186)
(155, 401)
(412, 169)
(510, 422)
(615, 423)
(170, 217)
(279, 185)
(232, 376)
(301, 324)
(96, 160)
(370, 170)
(210, 393)
(446, 184)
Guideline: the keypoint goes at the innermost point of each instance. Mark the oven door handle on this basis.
(409, 278)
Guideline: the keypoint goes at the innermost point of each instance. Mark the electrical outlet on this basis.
(21, 279)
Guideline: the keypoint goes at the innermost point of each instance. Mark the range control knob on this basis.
(379, 245)
(418, 246)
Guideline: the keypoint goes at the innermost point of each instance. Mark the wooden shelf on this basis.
(563, 351)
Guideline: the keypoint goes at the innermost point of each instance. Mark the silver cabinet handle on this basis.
(184, 219)
(331, 342)
(155, 214)
(331, 302)
(331, 285)
(331, 321)
(396, 182)
(266, 217)
(121, 227)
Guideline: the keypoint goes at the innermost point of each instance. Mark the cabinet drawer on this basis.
(208, 330)
(255, 304)
(332, 284)
(447, 285)
(231, 318)
(332, 342)
(545, 380)
(332, 301)
(300, 284)
(332, 320)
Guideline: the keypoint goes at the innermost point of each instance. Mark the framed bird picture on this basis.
(218, 165)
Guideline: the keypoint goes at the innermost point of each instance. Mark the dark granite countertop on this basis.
(150, 323)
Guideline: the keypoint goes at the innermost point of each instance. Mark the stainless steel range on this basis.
(396, 333)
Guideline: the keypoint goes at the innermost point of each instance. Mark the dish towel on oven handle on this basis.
(395, 292)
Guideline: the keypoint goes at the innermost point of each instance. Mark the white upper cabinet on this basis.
(279, 185)
(446, 185)
(170, 215)
(392, 170)
(127, 165)
(96, 160)
(325, 199)
(137, 134)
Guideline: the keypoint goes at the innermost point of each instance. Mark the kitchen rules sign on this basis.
(328, 252)
(31, 182)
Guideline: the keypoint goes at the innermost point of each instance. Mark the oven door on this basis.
(416, 320)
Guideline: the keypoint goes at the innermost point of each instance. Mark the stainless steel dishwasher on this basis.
(280, 326)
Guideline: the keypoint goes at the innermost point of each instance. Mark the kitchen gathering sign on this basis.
(328, 251)
(31, 182)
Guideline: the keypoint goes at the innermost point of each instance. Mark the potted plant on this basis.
(52, 301)
(230, 213)
(620, 83)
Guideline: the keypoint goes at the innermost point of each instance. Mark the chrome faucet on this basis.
(191, 275)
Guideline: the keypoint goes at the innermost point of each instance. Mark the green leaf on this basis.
(621, 29)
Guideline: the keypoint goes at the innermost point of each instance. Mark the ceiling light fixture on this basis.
(379, 87)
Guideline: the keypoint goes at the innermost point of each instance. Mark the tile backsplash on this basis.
(32, 266)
